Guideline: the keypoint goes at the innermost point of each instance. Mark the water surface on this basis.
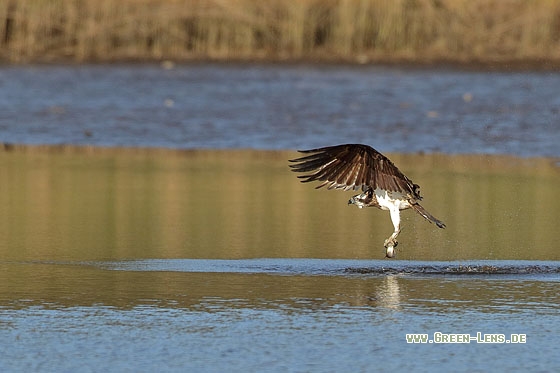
(137, 260)
(190, 260)
(282, 107)
(82, 204)
(282, 315)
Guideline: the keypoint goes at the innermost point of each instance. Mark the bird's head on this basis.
(416, 190)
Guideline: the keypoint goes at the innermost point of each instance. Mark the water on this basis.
(128, 204)
(273, 315)
(136, 260)
(282, 107)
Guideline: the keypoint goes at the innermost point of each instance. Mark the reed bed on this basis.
(329, 30)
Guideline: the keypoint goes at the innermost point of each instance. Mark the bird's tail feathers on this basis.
(429, 217)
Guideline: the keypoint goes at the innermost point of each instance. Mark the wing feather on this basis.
(352, 166)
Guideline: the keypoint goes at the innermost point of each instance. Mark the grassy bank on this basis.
(329, 30)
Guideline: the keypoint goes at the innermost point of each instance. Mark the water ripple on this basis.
(333, 267)
(282, 107)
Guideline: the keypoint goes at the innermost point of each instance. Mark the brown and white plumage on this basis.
(357, 166)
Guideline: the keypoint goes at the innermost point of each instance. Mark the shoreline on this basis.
(511, 65)
(505, 160)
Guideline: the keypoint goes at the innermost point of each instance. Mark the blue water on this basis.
(282, 107)
(341, 339)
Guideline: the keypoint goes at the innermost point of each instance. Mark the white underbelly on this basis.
(390, 200)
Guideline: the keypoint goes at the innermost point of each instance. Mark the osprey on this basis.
(356, 166)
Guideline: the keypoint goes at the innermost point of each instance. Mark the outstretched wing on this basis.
(353, 166)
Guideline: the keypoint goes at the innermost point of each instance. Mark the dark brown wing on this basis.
(353, 166)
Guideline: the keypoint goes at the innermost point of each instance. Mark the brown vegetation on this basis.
(330, 30)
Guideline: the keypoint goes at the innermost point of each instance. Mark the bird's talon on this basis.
(391, 243)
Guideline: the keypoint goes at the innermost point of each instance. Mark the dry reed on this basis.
(331, 30)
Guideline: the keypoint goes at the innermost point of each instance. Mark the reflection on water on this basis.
(271, 284)
(146, 315)
(110, 204)
(388, 294)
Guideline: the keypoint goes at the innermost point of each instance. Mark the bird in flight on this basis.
(357, 166)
